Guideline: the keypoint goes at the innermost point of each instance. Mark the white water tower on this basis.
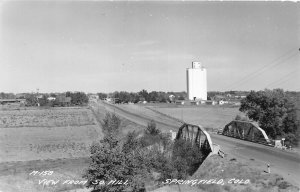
(196, 82)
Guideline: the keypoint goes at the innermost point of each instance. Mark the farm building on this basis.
(194, 102)
(179, 102)
(172, 98)
(19, 102)
(210, 102)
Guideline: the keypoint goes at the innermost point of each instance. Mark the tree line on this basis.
(60, 99)
(276, 111)
(143, 95)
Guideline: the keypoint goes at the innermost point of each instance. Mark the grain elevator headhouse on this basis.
(196, 82)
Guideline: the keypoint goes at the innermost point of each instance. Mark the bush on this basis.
(111, 124)
(189, 152)
(110, 160)
(151, 129)
(131, 142)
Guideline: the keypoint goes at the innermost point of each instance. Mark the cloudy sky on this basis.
(107, 46)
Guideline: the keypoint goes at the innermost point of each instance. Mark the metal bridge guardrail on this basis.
(200, 137)
(246, 130)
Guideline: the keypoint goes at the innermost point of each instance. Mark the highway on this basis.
(282, 162)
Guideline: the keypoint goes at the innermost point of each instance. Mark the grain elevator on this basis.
(196, 82)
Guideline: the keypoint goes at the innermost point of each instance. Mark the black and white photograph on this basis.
(149, 96)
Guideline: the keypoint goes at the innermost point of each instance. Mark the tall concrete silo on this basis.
(196, 82)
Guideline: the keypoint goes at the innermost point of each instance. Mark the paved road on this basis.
(284, 163)
(281, 162)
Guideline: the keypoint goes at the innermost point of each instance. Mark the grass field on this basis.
(205, 115)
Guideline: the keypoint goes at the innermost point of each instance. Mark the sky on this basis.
(93, 46)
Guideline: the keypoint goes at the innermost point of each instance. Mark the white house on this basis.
(51, 98)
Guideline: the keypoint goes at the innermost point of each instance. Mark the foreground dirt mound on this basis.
(229, 174)
(218, 174)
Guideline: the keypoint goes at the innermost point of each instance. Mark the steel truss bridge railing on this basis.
(246, 130)
(196, 135)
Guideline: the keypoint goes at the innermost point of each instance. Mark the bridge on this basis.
(246, 130)
(197, 135)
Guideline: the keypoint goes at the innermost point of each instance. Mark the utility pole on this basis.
(37, 97)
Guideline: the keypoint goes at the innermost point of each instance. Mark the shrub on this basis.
(111, 124)
(188, 152)
(151, 129)
(110, 160)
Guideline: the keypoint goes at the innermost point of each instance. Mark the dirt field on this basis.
(52, 117)
(54, 139)
(46, 133)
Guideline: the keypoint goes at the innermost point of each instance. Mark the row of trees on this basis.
(7, 95)
(147, 159)
(143, 95)
(275, 111)
(77, 98)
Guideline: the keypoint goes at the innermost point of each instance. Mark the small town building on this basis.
(51, 98)
(210, 102)
(15, 102)
(194, 102)
(179, 102)
(172, 98)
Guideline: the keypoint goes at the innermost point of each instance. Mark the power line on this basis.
(275, 62)
(284, 82)
(264, 66)
(262, 70)
(283, 79)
